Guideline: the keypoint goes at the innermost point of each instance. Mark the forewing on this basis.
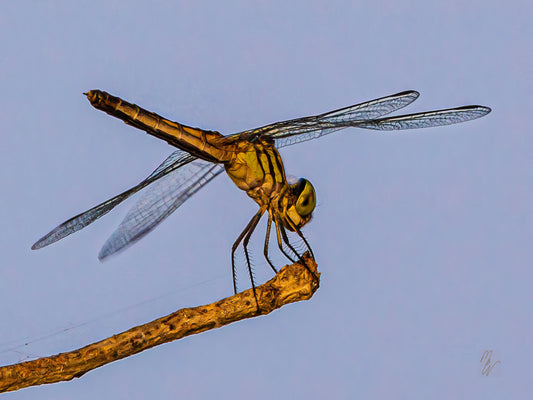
(301, 129)
(426, 119)
(172, 163)
(158, 202)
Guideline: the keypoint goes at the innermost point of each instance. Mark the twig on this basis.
(292, 283)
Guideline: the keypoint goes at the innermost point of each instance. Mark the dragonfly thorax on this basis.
(257, 169)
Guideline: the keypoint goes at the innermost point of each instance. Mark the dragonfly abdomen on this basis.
(196, 141)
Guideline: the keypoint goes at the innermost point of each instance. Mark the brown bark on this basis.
(292, 283)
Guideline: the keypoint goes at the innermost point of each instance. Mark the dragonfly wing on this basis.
(301, 129)
(307, 135)
(176, 160)
(158, 202)
(426, 119)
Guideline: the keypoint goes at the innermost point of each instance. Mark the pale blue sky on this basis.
(423, 238)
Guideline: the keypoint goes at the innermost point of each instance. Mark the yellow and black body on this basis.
(251, 160)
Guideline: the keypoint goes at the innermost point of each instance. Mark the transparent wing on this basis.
(365, 115)
(158, 202)
(426, 119)
(176, 160)
(301, 129)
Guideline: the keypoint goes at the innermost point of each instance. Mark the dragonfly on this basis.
(251, 160)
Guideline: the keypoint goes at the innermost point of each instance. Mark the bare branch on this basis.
(293, 283)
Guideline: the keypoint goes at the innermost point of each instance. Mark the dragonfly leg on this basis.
(267, 239)
(288, 243)
(299, 232)
(252, 225)
(247, 232)
(277, 222)
(300, 257)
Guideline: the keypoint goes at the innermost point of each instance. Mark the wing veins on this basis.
(85, 218)
(427, 119)
(162, 200)
(332, 120)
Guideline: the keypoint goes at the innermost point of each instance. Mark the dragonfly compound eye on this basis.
(306, 202)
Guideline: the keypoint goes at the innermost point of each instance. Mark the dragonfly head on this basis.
(301, 203)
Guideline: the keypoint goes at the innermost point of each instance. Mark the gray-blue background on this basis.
(423, 238)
